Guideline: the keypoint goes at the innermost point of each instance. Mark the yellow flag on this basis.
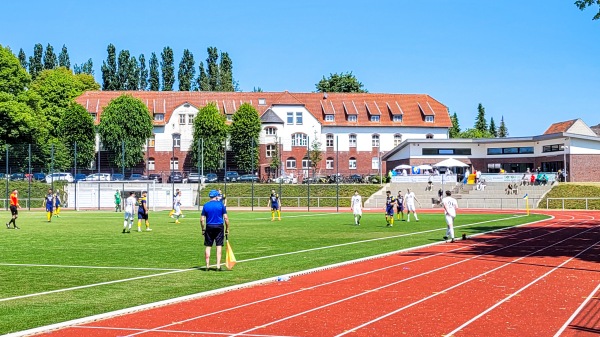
(229, 258)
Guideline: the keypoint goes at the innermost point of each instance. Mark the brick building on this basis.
(355, 129)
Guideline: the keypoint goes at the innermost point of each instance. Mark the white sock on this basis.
(416, 216)
(125, 224)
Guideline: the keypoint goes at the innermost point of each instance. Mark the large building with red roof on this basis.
(355, 129)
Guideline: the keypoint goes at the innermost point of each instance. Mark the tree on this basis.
(86, 68)
(125, 119)
(244, 131)
(109, 70)
(167, 69)
(344, 82)
(187, 71)
(143, 85)
(18, 122)
(316, 154)
(35, 62)
(88, 81)
(23, 59)
(275, 159)
(455, 129)
(480, 122)
(493, 131)
(77, 126)
(502, 130)
(475, 133)
(154, 79)
(213, 68)
(123, 70)
(13, 78)
(209, 125)
(202, 83)
(50, 61)
(63, 58)
(583, 4)
(257, 89)
(226, 73)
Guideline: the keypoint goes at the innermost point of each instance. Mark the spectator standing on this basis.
(215, 225)
(117, 201)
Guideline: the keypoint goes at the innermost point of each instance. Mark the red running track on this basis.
(541, 279)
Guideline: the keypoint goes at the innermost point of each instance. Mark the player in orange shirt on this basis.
(14, 209)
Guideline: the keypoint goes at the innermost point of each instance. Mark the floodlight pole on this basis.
(337, 175)
(123, 158)
(30, 178)
(77, 182)
(308, 171)
(252, 200)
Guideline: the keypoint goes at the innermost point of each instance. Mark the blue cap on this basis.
(213, 194)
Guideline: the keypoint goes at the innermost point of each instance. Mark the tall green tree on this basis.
(209, 126)
(187, 71)
(480, 121)
(455, 129)
(316, 154)
(213, 69)
(110, 80)
(583, 4)
(493, 130)
(85, 68)
(23, 59)
(143, 85)
(167, 68)
(154, 79)
(275, 163)
(344, 82)
(202, 83)
(63, 58)
(125, 119)
(502, 130)
(35, 61)
(50, 61)
(123, 70)
(475, 133)
(77, 126)
(226, 73)
(244, 132)
(13, 77)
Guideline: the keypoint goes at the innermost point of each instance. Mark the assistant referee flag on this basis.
(229, 257)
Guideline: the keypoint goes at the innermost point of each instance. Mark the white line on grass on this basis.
(125, 311)
(85, 267)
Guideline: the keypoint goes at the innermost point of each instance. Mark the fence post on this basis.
(30, 177)
(586, 204)
(6, 177)
(563, 204)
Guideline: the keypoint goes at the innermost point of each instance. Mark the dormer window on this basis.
(262, 101)
(375, 118)
(429, 119)
(397, 118)
(352, 118)
(159, 117)
(329, 118)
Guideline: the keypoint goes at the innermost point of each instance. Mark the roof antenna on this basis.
(324, 95)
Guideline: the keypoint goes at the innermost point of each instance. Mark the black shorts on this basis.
(14, 210)
(143, 216)
(214, 234)
(400, 208)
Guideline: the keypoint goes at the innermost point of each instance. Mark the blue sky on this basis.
(533, 62)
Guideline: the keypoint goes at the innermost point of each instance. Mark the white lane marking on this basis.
(570, 320)
(84, 267)
(177, 331)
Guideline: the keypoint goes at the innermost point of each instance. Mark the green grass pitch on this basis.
(81, 264)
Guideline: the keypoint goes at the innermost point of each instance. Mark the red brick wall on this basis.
(584, 168)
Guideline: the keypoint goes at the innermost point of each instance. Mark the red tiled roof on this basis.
(316, 103)
(560, 127)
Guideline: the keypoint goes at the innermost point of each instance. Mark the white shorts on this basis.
(128, 215)
(410, 207)
(177, 210)
(449, 220)
(357, 211)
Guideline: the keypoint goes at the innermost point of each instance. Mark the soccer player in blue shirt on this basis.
(390, 201)
(275, 207)
(143, 212)
(56, 204)
(215, 225)
(400, 205)
(49, 200)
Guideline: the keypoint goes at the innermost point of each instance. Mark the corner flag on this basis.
(230, 260)
(526, 197)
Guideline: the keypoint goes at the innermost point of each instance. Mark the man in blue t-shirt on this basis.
(215, 225)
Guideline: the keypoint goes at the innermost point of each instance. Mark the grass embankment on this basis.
(573, 190)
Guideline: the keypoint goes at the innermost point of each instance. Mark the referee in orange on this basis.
(14, 209)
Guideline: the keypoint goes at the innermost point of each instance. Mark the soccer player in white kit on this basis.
(356, 207)
(409, 202)
(129, 210)
(450, 206)
(177, 206)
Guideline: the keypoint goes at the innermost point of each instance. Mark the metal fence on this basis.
(573, 203)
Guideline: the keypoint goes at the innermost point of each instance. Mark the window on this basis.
(446, 152)
(375, 163)
(352, 118)
(305, 163)
(262, 101)
(374, 118)
(181, 119)
(375, 140)
(152, 141)
(352, 140)
(151, 164)
(174, 163)
(176, 140)
(397, 139)
(329, 163)
(397, 118)
(429, 136)
(271, 131)
(299, 139)
(526, 150)
(290, 163)
(352, 163)
(329, 118)
(159, 117)
(329, 140)
(553, 148)
(191, 119)
(271, 150)
(299, 118)
(510, 150)
(94, 115)
(290, 118)
(230, 117)
(429, 119)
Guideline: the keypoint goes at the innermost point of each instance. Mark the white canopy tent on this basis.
(451, 162)
(402, 167)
